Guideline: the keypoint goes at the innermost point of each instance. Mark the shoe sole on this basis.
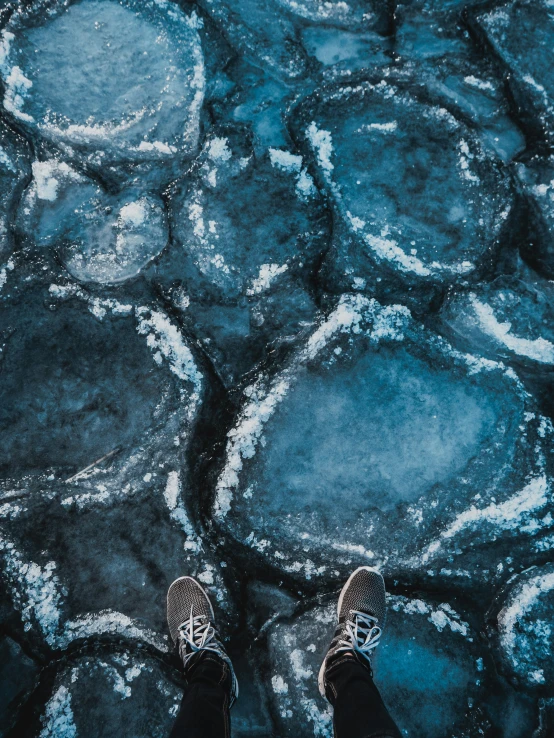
(321, 675)
(200, 587)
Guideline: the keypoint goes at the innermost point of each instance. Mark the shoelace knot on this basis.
(362, 634)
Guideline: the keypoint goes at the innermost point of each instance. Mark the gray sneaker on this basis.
(190, 617)
(361, 613)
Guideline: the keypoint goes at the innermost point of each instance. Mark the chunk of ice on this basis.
(375, 437)
(133, 78)
(508, 319)
(524, 632)
(417, 656)
(100, 238)
(414, 188)
(520, 33)
(536, 177)
(133, 693)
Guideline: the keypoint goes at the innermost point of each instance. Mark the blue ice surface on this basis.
(276, 301)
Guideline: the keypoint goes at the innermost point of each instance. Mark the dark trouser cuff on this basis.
(359, 711)
(209, 668)
(204, 711)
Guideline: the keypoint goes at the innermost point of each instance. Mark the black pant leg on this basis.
(204, 710)
(359, 711)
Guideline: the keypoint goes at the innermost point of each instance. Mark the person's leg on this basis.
(359, 711)
(211, 682)
(345, 677)
(204, 710)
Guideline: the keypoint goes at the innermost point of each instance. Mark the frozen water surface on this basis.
(508, 319)
(247, 231)
(429, 29)
(523, 627)
(243, 223)
(377, 443)
(112, 693)
(14, 171)
(536, 178)
(354, 442)
(426, 649)
(133, 78)
(79, 381)
(99, 237)
(435, 36)
(474, 93)
(521, 34)
(86, 574)
(270, 31)
(412, 184)
(345, 50)
(257, 29)
(275, 302)
(238, 335)
(351, 13)
(259, 102)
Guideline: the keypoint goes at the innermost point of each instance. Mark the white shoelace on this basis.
(362, 634)
(198, 634)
